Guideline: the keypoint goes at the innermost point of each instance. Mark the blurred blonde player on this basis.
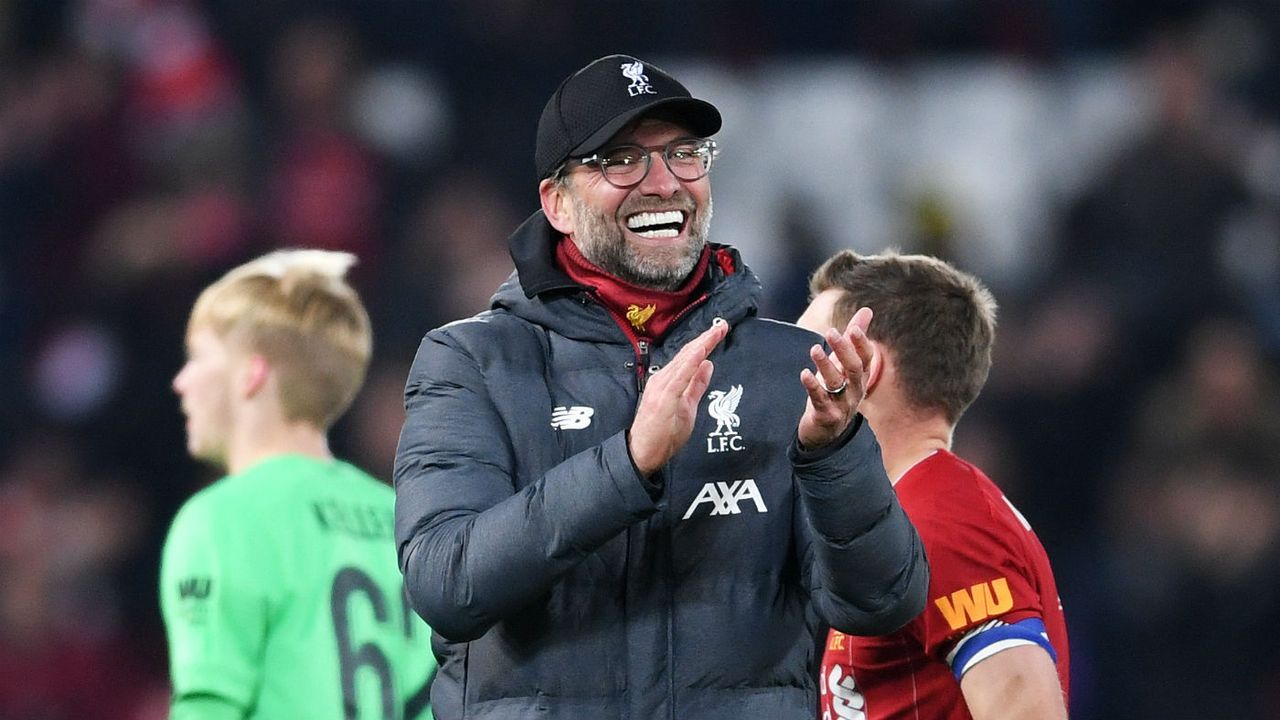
(279, 586)
(992, 641)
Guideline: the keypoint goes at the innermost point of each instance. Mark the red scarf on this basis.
(642, 312)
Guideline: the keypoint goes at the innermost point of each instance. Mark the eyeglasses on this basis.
(626, 166)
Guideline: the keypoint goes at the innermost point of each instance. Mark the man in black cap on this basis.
(614, 499)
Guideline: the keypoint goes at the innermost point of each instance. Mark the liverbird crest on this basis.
(638, 316)
(724, 408)
(634, 71)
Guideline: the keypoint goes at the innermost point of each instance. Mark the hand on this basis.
(827, 413)
(664, 420)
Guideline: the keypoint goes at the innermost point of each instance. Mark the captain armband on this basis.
(995, 636)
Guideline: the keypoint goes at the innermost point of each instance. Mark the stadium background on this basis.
(1110, 167)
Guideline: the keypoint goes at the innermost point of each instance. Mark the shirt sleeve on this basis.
(979, 580)
(995, 636)
(204, 707)
(215, 624)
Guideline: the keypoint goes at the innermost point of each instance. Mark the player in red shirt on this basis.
(992, 641)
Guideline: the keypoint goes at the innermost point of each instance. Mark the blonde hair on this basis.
(939, 322)
(295, 308)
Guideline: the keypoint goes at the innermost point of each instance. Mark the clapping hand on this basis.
(669, 407)
(840, 383)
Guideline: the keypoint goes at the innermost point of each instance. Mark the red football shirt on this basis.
(988, 570)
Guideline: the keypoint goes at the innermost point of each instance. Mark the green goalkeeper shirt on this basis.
(281, 598)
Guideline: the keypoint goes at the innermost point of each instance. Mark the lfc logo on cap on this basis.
(634, 71)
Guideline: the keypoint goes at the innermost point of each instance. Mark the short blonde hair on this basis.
(295, 308)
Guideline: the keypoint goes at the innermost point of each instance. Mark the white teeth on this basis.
(647, 219)
(659, 233)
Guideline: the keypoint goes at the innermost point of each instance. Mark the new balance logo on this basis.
(724, 497)
(979, 602)
(575, 417)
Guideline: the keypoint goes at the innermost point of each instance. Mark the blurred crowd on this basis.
(1133, 413)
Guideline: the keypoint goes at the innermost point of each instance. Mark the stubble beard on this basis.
(601, 241)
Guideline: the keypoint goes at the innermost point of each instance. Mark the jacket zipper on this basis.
(642, 364)
(642, 345)
(698, 301)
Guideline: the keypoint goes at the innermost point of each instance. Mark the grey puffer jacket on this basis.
(559, 586)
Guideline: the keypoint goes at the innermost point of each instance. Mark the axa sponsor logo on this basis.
(726, 498)
(975, 603)
(573, 417)
(723, 408)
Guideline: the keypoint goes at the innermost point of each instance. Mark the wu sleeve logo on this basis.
(723, 408)
(574, 417)
(724, 497)
(193, 596)
(975, 603)
(194, 587)
(639, 81)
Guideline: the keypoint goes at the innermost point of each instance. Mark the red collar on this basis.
(642, 312)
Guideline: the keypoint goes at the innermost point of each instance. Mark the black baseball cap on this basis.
(594, 103)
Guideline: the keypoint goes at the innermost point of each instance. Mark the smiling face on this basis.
(649, 235)
(204, 385)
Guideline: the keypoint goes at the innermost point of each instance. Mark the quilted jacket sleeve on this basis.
(863, 560)
(473, 549)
